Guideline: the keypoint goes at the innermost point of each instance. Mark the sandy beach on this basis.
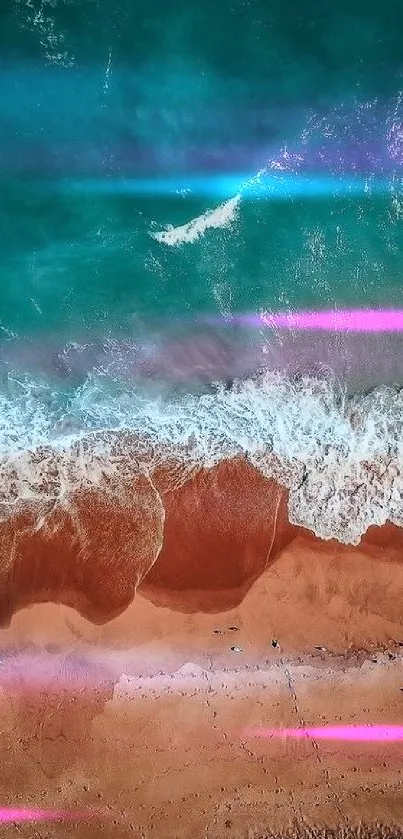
(144, 713)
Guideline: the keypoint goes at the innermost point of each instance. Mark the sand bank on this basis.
(145, 716)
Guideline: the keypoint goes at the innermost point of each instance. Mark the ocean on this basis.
(172, 180)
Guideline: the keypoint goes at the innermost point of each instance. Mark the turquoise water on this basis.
(121, 122)
(93, 94)
(71, 263)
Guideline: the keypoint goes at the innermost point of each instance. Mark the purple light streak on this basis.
(352, 733)
(11, 814)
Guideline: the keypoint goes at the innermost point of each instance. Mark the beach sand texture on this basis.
(139, 709)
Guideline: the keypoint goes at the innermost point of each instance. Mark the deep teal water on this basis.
(132, 89)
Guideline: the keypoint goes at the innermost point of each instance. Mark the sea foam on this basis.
(340, 458)
(222, 216)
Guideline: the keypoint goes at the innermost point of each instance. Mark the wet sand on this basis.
(133, 708)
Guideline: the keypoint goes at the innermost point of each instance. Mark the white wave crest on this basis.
(220, 217)
(341, 458)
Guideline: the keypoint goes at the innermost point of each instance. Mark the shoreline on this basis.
(131, 699)
(187, 540)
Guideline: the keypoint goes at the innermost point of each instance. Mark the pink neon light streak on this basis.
(363, 733)
(11, 814)
(349, 320)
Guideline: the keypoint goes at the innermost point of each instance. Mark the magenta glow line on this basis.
(11, 814)
(349, 320)
(342, 320)
(361, 733)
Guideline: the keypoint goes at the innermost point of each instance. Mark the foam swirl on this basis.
(340, 458)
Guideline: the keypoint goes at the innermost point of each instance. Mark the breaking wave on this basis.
(340, 457)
